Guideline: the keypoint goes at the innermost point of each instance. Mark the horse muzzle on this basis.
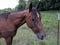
(41, 36)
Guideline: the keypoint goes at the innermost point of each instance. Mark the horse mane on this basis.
(6, 14)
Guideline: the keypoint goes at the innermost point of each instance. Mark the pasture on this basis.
(25, 36)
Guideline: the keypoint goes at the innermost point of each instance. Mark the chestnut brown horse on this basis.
(10, 22)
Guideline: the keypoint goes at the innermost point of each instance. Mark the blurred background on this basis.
(49, 10)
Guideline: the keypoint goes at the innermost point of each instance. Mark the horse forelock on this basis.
(34, 12)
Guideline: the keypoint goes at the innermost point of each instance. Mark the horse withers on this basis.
(10, 22)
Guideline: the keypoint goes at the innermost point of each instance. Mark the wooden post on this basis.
(58, 29)
(58, 34)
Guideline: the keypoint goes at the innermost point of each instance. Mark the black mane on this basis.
(34, 11)
(6, 14)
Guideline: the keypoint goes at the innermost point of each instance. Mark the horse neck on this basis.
(18, 18)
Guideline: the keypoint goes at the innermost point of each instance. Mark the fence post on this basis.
(58, 29)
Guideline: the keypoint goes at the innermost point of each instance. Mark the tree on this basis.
(21, 5)
(35, 2)
(50, 4)
(44, 4)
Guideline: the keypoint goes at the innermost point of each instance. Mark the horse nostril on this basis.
(41, 36)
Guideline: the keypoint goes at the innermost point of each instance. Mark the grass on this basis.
(25, 36)
(49, 19)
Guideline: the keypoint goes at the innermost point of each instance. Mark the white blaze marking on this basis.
(37, 15)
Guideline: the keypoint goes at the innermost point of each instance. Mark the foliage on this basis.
(35, 2)
(21, 5)
(7, 10)
(50, 4)
(44, 4)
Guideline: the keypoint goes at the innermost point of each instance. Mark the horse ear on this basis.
(38, 6)
(30, 7)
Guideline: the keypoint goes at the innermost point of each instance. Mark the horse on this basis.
(11, 21)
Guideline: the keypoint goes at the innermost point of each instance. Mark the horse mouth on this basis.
(41, 36)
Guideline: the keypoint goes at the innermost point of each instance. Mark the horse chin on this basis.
(41, 36)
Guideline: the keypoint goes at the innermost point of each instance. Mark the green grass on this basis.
(49, 19)
(25, 36)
